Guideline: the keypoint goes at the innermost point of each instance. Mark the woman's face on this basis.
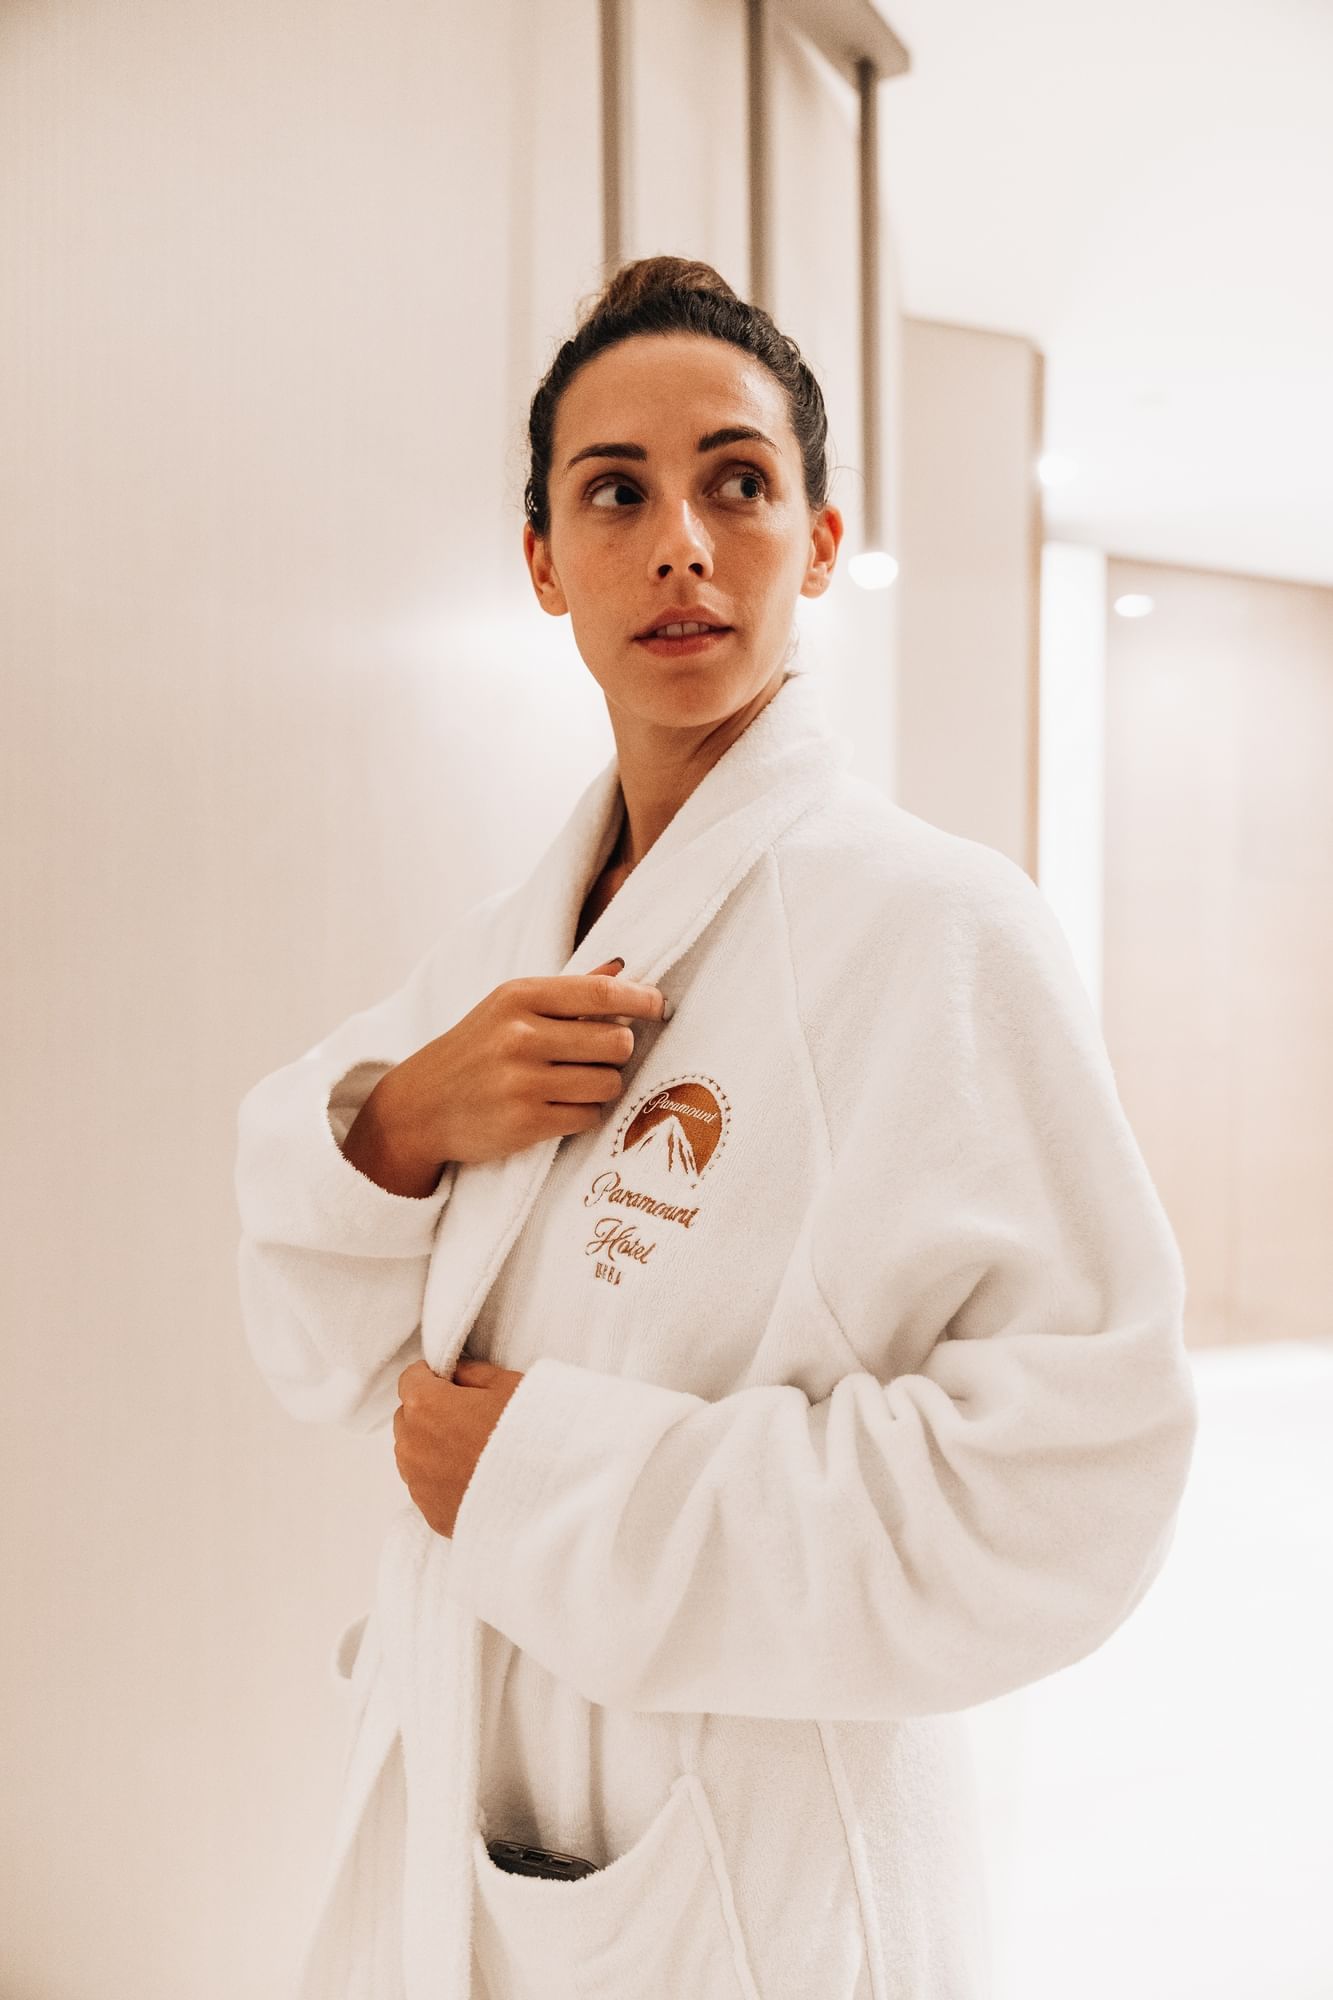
(634, 533)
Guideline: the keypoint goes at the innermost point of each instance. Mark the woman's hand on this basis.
(535, 1058)
(440, 1429)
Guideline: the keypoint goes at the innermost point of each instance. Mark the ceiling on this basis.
(1146, 192)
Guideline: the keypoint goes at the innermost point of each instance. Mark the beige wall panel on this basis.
(1218, 1006)
(278, 702)
(969, 622)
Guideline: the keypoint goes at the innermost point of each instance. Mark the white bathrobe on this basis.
(854, 1393)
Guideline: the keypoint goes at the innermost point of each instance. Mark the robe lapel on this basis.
(774, 772)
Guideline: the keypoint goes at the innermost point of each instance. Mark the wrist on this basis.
(378, 1148)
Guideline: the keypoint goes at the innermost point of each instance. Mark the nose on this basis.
(682, 543)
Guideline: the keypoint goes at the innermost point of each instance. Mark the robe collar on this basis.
(778, 766)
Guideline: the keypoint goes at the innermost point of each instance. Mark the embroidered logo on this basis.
(678, 1128)
(666, 1142)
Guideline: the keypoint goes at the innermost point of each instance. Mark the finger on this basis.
(574, 996)
(411, 1376)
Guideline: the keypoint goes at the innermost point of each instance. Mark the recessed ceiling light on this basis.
(1132, 605)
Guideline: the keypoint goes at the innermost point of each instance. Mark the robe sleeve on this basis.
(331, 1267)
(978, 1504)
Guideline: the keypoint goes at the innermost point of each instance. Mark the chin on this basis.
(682, 691)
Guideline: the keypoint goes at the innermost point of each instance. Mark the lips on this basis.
(684, 614)
(660, 631)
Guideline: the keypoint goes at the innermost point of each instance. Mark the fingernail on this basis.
(668, 1010)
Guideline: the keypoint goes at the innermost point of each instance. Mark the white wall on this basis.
(278, 701)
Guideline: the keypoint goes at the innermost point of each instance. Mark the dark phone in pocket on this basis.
(516, 1857)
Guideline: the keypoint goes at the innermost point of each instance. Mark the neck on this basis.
(659, 769)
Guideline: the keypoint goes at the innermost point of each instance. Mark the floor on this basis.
(1158, 1819)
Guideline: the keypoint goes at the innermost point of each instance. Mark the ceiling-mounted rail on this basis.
(847, 32)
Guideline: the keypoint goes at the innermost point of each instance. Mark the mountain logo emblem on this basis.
(675, 1131)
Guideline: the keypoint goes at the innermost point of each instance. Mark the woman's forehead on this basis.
(667, 392)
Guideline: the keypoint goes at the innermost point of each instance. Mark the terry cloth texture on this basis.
(854, 1394)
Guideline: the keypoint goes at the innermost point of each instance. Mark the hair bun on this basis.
(632, 283)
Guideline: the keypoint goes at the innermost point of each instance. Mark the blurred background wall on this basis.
(1218, 937)
(279, 701)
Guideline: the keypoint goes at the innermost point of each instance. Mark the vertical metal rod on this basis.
(867, 81)
(758, 70)
(613, 152)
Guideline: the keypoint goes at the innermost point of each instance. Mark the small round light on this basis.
(1132, 605)
(1055, 468)
(873, 569)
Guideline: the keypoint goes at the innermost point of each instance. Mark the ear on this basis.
(825, 539)
(537, 555)
(826, 531)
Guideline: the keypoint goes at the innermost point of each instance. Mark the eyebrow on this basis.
(730, 434)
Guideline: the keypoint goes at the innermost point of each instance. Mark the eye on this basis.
(747, 472)
(613, 485)
(617, 483)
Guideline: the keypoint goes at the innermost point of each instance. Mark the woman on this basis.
(825, 1372)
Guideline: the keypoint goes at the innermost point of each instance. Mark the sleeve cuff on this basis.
(561, 1420)
(349, 1093)
(361, 1212)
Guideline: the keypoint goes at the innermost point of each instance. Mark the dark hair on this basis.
(675, 295)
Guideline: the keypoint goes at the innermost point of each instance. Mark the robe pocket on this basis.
(659, 1919)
